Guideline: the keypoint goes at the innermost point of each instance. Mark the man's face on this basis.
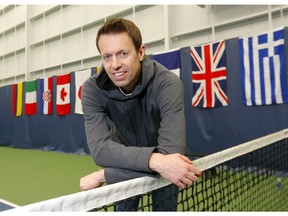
(120, 59)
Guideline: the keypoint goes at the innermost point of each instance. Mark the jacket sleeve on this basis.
(172, 131)
(114, 175)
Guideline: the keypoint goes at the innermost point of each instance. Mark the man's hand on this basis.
(175, 168)
(93, 180)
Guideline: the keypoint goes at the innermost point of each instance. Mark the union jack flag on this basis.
(209, 75)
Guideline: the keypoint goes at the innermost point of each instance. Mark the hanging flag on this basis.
(80, 77)
(262, 67)
(209, 75)
(170, 59)
(98, 69)
(46, 86)
(19, 98)
(31, 98)
(14, 99)
(63, 94)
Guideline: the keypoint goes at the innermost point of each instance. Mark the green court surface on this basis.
(29, 176)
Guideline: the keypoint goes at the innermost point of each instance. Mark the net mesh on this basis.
(250, 177)
(257, 181)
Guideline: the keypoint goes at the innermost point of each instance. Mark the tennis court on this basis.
(250, 177)
(29, 176)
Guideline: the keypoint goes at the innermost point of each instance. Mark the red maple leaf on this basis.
(63, 94)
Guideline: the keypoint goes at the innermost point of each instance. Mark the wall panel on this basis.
(3, 45)
(188, 17)
(9, 18)
(20, 63)
(151, 23)
(71, 17)
(240, 30)
(53, 23)
(73, 66)
(220, 13)
(90, 13)
(52, 71)
(60, 35)
(38, 58)
(2, 21)
(281, 19)
(53, 53)
(20, 37)
(20, 14)
(71, 47)
(89, 42)
(37, 9)
(11, 66)
(38, 30)
(10, 40)
(2, 70)
(92, 62)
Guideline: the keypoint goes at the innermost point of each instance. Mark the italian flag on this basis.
(30, 98)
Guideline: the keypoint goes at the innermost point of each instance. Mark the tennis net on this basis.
(249, 177)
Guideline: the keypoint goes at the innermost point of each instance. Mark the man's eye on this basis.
(106, 57)
(123, 54)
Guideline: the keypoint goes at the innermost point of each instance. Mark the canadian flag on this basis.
(80, 78)
(63, 94)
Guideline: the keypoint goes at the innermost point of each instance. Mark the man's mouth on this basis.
(119, 74)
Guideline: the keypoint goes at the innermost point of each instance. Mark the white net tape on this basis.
(87, 200)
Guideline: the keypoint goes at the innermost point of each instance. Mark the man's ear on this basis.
(141, 52)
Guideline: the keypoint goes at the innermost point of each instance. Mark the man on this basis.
(145, 103)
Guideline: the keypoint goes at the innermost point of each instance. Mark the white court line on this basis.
(8, 203)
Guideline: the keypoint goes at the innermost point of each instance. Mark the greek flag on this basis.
(262, 66)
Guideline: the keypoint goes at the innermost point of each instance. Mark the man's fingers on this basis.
(189, 178)
(180, 184)
(186, 159)
(191, 167)
(187, 182)
(195, 170)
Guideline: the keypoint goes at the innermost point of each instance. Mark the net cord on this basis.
(98, 197)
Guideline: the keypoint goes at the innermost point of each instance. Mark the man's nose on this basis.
(116, 62)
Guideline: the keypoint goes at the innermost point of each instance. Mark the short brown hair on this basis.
(120, 25)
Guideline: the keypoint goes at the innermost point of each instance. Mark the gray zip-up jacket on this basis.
(151, 119)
